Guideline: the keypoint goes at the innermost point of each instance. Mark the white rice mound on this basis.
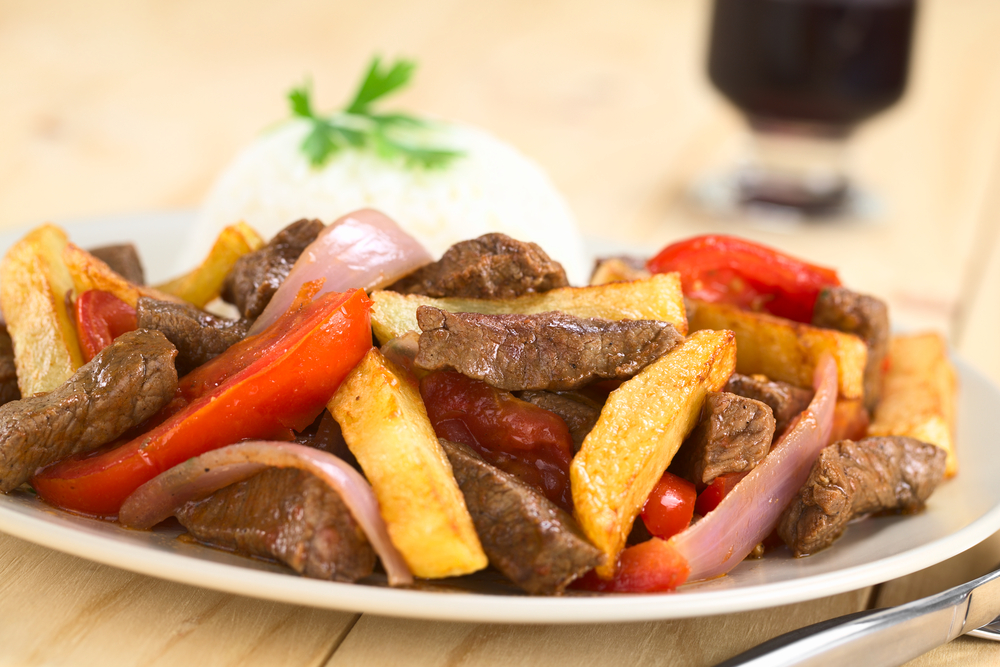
(491, 188)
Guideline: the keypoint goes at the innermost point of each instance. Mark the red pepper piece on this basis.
(651, 567)
(269, 384)
(514, 435)
(670, 506)
(100, 318)
(732, 270)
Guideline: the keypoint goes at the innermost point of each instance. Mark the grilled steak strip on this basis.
(285, 515)
(579, 412)
(8, 372)
(850, 479)
(864, 316)
(493, 266)
(551, 350)
(256, 276)
(785, 400)
(127, 383)
(123, 260)
(197, 335)
(734, 435)
(535, 544)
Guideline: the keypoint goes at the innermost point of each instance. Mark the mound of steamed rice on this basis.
(491, 188)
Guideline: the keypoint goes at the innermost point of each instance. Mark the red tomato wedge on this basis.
(713, 494)
(260, 388)
(100, 318)
(670, 506)
(650, 567)
(732, 270)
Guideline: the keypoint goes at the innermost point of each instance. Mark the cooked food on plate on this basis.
(628, 436)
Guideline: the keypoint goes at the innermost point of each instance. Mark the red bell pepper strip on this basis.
(732, 270)
(268, 384)
(650, 567)
(100, 318)
(670, 506)
(518, 437)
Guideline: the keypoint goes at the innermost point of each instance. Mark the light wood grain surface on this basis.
(114, 106)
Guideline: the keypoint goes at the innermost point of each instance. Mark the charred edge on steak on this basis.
(123, 260)
(785, 400)
(535, 544)
(8, 371)
(733, 436)
(197, 335)
(579, 412)
(286, 515)
(864, 316)
(493, 266)
(551, 350)
(851, 479)
(127, 383)
(256, 276)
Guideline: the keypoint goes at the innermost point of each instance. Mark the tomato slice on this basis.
(266, 386)
(670, 507)
(713, 494)
(650, 567)
(728, 269)
(100, 318)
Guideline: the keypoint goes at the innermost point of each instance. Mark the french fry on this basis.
(615, 270)
(386, 427)
(919, 394)
(204, 283)
(785, 350)
(87, 272)
(641, 427)
(850, 420)
(656, 298)
(34, 285)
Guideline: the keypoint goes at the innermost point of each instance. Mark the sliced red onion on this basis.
(748, 513)
(365, 249)
(202, 475)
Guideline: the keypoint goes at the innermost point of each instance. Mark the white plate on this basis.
(963, 512)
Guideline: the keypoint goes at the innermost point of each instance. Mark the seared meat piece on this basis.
(257, 275)
(123, 260)
(535, 544)
(286, 515)
(551, 350)
(864, 316)
(785, 400)
(493, 266)
(734, 435)
(854, 478)
(579, 412)
(8, 373)
(197, 335)
(124, 385)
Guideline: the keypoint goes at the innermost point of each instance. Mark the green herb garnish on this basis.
(391, 136)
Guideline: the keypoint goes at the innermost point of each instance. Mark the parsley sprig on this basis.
(391, 136)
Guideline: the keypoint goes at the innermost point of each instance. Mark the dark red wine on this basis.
(826, 62)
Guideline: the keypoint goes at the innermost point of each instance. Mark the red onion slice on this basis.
(749, 512)
(364, 249)
(202, 475)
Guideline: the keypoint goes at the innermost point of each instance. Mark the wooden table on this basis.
(113, 106)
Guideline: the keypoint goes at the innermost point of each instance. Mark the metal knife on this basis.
(883, 636)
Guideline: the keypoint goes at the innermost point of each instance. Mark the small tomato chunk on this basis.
(713, 494)
(651, 567)
(670, 506)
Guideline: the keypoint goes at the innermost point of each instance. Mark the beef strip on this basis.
(125, 384)
(197, 335)
(579, 412)
(8, 372)
(257, 275)
(287, 515)
(864, 316)
(123, 260)
(550, 350)
(733, 435)
(850, 479)
(535, 544)
(785, 400)
(493, 266)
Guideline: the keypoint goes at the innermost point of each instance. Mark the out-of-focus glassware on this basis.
(805, 73)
